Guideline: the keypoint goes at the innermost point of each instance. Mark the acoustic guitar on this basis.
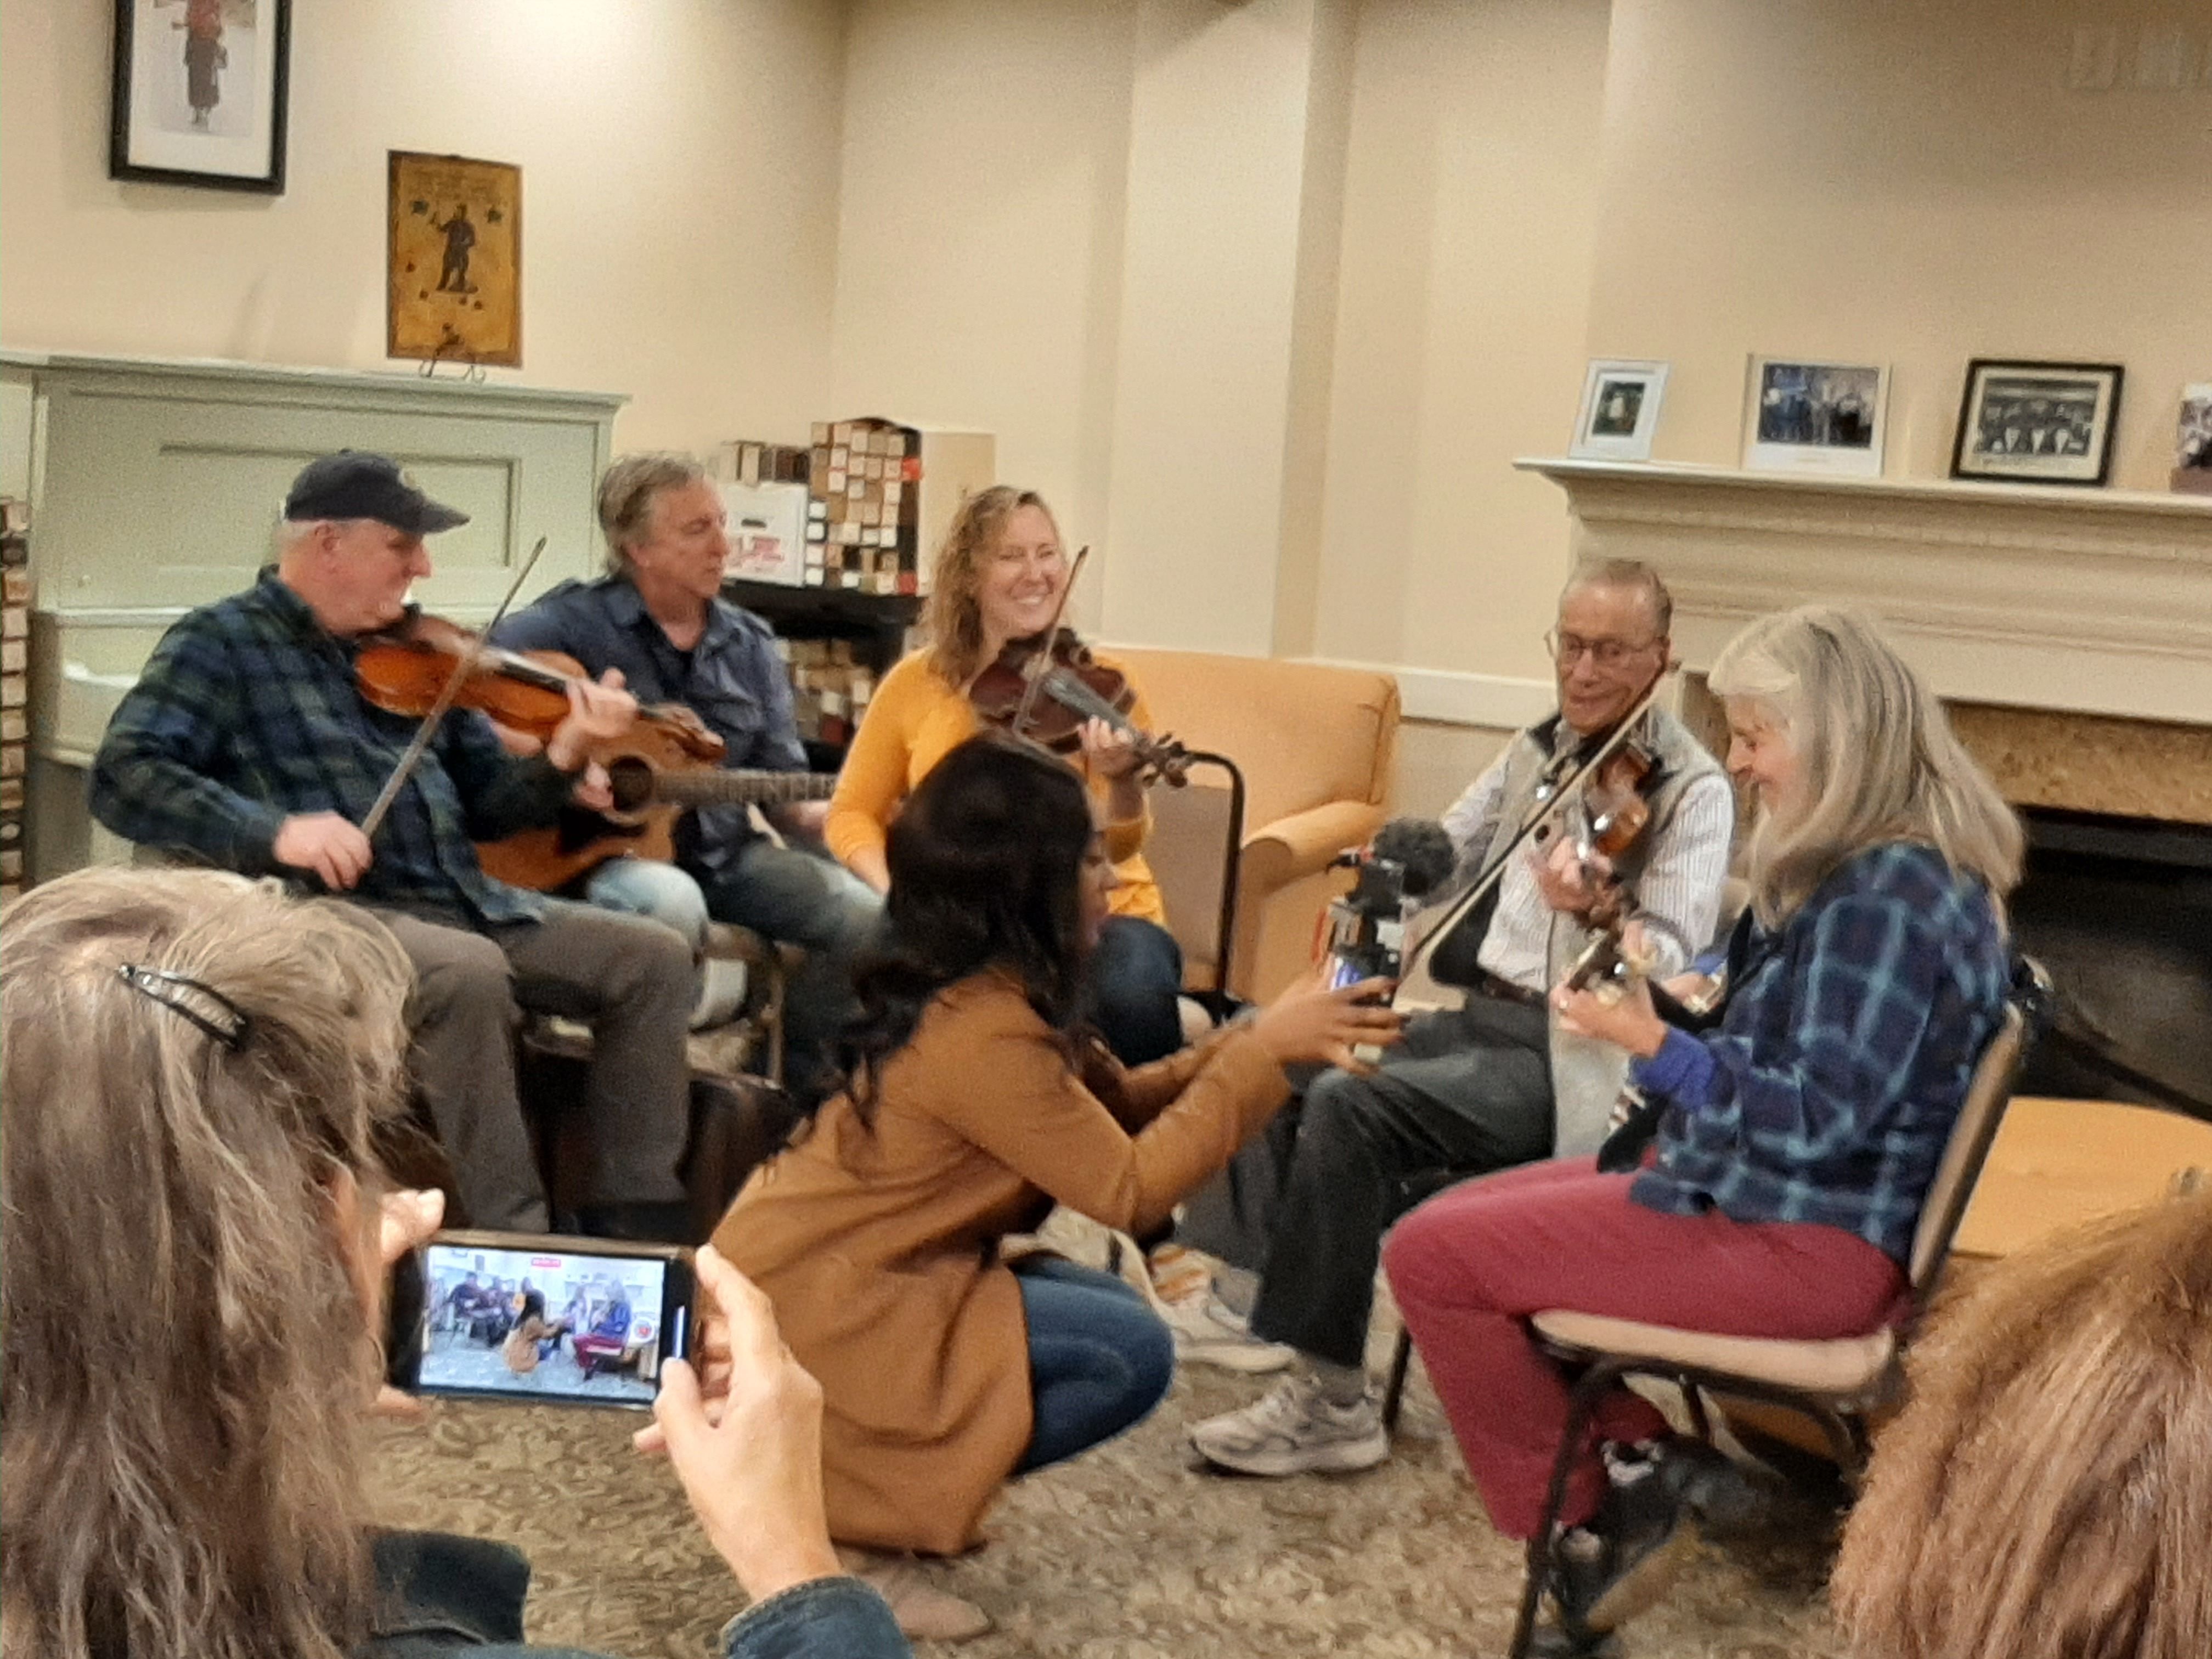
(654, 776)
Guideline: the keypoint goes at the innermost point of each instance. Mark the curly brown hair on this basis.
(954, 617)
(2047, 1494)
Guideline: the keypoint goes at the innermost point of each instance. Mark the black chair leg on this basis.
(1393, 1392)
(1582, 1404)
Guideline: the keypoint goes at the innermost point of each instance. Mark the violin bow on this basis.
(1043, 666)
(1494, 869)
(412, 756)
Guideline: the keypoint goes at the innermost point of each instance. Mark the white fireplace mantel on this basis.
(2089, 600)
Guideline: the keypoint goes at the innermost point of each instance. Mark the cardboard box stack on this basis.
(882, 495)
(14, 679)
(830, 688)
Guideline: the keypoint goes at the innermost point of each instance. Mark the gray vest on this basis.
(1587, 1075)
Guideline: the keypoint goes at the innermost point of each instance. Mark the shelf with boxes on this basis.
(837, 644)
(14, 680)
(830, 544)
(862, 509)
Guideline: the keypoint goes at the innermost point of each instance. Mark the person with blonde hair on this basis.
(2047, 1492)
(192, 1257)
(999, 579)
(1797, 1140)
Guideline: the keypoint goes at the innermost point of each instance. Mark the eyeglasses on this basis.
(1607, 653)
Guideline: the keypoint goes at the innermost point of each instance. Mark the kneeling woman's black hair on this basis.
(986, 861)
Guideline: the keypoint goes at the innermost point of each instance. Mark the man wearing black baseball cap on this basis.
(247, 744)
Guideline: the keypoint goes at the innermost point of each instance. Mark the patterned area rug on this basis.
(1125, 1553)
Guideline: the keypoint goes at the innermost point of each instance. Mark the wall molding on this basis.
(1452, 697)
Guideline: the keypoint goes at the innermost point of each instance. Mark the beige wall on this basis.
(980, 222)
(1469, 218)
(1909, 182)
(679, 164)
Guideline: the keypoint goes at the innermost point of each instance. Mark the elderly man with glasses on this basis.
(1492, 1083)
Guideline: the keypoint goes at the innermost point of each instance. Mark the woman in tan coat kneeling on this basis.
(972, 1105)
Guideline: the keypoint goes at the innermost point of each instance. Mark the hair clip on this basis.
(228, 1025)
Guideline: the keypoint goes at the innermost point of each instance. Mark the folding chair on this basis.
(1839, 1383)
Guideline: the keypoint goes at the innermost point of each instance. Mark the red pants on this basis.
(1471, 1264)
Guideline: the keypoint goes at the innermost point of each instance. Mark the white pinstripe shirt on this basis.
(1678, 896)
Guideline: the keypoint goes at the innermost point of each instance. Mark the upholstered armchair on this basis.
(1316, 745)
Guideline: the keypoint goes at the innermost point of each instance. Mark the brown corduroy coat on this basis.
(879, 1245)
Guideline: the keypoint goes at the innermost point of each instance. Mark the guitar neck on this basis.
(742, 788)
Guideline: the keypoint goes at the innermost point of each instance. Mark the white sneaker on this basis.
(1208, 1332)
(1295, 1429)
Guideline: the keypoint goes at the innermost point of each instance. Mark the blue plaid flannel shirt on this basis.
(1830, 1089)
(247, 713)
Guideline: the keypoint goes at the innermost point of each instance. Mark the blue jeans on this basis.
(1130, 987)
(793, 897)
(1100, 1358)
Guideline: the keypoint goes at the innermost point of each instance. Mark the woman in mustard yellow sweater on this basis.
(999, 577)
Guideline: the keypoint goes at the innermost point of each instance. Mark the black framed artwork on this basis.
(200, 91)
(2038, 422)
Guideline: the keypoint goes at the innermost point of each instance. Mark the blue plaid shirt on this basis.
(732, 679)
(247, 713)
(1829, 1090)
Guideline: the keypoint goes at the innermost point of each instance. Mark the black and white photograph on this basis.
(199, 92)
(1619, 410)
(1815, 417)
(2192, 441)
(2038, 422)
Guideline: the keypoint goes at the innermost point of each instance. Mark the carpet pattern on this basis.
(1127, 1552)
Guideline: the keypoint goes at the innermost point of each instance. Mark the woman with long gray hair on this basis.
(195, 1233)
(1798, 1139)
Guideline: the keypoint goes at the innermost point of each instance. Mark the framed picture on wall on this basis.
(200, 89)
(2031, 423)
(1619, 411)
(1801, 416)
(454, 260)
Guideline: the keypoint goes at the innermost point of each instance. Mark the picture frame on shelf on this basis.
(200, 93)
(1619, 410)
(2192, 441)
(1805, 415)
(453, 259)
(2038, 422)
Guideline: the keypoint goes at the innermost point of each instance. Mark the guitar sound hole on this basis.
(631, 779)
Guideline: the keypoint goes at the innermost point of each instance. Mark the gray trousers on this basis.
(630, 979)
(1466, 1091)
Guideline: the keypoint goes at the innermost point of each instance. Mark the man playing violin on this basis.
(247, 743)
(658, 617)
(1495, 1082)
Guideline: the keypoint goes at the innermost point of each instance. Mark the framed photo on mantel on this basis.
(2029, 423)
(1803, 417)
(454, 260)
(1620, 409)
(199, 92)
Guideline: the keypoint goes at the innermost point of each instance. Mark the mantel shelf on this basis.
(2084, 601)
(1567, 472)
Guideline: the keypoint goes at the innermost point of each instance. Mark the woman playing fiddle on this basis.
(1800, 1137)
(973, 1102)
(1000, 580)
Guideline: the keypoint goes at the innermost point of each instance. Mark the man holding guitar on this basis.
(1494, 1082)
(658, 617)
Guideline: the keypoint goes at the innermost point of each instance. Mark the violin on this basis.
(1048, 693)
(407, 669)
(1618, 807)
